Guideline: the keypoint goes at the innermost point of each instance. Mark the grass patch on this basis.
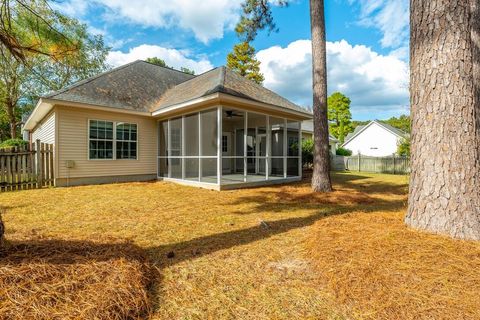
(210, 257)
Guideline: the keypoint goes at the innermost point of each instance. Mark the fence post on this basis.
(359, 162)
(394, 163)
(38, 147)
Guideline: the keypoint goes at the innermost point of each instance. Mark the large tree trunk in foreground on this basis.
(445, 156)
(321, 155)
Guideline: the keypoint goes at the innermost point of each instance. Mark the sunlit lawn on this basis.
(212, 256)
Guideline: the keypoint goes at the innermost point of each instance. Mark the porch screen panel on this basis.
(293, 128)
(175, 151)
(191, 135)
(191, 147)
(256, 146)
(162, 149)
(276, 144)
(209, 170)
(209, 133)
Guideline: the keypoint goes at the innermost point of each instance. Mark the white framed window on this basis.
(100, 139)
(109, 140)
(126, 140)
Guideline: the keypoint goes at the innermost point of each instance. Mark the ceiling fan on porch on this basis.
(230, 114)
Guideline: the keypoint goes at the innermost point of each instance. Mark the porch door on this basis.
(262, 152)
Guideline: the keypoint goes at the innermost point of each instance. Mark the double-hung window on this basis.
(126, 140)
(101, 139)
(112, 140)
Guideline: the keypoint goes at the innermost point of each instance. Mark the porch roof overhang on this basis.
(231, 101)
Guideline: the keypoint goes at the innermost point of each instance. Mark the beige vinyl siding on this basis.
(73, 145)
(45, 131)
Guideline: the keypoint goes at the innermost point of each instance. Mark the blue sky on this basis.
(367, 47)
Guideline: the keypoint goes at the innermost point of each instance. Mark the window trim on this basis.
(114, 140)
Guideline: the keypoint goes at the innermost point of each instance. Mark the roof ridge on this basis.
(167, 67)
(87, 80)
(223, 71)
(390, 128)
(264, 88)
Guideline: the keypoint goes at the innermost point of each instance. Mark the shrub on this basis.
(343, 152)
(307, 152)
(404, 147)
(13, 143)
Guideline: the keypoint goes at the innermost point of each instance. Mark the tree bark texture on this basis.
(321, 156)
(444, 195)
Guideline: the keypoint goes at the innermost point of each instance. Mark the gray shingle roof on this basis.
(351, 134)
(142, 86)
(224, 80)
(393, 129)
(135, 86)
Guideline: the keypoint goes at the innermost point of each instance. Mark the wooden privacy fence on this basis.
(392, 164)
(26, 167)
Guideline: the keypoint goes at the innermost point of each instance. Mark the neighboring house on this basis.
(307, 133)
(141, 122)
(375, 139)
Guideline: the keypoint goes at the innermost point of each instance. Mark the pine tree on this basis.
(445, 144)
(242, 60)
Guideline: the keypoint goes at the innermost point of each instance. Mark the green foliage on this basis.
(242, 60)
(157, 61)
(356, 123)
(22, 82)
(13, 143)
(32, 28)
(403, 123)
(186, 70)
(162, 63)
(307, 152)
(403, 148)
(339, 115)
(343, 152)
(257, 15)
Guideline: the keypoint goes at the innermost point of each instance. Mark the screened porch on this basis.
(225, 148)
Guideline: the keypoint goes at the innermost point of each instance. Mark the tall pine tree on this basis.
(242, 60)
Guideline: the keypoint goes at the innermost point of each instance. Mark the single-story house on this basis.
(376, 139)
(307, 133)
(141, 122)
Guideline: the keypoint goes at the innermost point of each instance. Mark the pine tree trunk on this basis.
(321, 155)
(445, 156)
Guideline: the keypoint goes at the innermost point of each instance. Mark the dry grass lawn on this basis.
(179, 252)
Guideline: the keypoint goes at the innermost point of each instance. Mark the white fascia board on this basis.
(225, 98)
(45, 105)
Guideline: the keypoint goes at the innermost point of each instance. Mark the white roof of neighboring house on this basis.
(359, 129)
(307, 126)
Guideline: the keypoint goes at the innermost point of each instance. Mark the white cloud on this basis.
(207, 19)
(374, 82)
(172, 57)
(391, 17)
(73, 8)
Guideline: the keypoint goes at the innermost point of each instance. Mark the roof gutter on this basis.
(45, 105)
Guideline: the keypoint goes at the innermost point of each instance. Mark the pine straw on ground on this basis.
(377, 268)
(340, 255)
(70, 280)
